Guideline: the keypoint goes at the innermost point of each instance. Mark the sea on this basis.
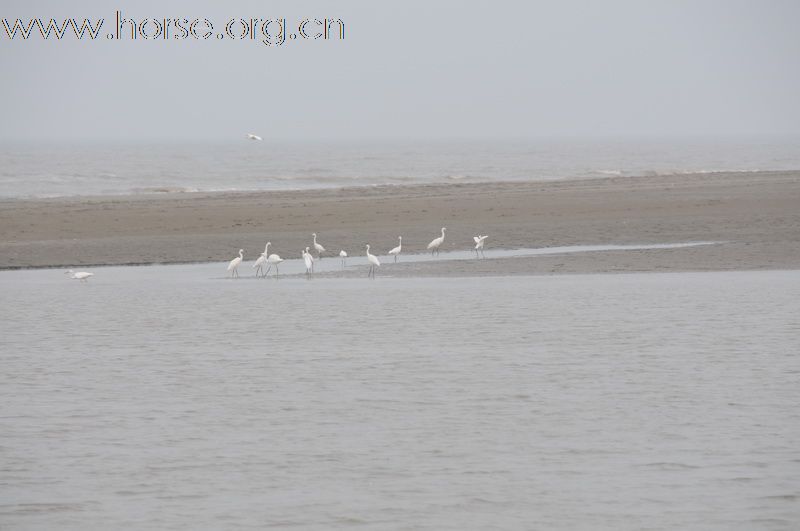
(173, 397)
(40, 170)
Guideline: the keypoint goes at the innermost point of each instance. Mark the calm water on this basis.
(165, 398)
(81, 169)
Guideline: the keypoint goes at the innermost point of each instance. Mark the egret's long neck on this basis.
(443, 234)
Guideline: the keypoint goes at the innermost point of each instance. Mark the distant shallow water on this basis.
(331, 262)
(161, 400)
(55, 170)
(295, 266)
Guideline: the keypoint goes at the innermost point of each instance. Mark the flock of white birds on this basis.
(269, 260)
(265, 262)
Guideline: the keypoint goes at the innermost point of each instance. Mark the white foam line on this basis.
(541, 251)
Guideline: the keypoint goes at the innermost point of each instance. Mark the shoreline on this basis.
(757, 213)
(166, 193)
(175, 192)
(412, 259)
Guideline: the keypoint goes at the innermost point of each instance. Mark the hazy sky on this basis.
(414, 69)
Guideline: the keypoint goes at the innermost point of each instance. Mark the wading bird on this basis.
(396, 251)
(479, 240)
(251, 136)
(343, 256)
(233, 266)
(433, 247)
(319, 248)
(373, 263)
(311, 257)
(309, 261)
(258, 265)
(272, 260)
(83, 276)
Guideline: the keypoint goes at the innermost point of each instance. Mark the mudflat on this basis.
(755, 214)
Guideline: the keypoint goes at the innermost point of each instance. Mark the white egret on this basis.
(433, 247)
(373, 263)
(83, 276)
(320, 249)
(251, 136)
(311, 258)
(479, 240)
(272, 260)
(233, 266)
(396, 251)
(259, 263)
(343, 256)
(309, 261)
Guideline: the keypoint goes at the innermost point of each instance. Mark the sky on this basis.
(412, 70)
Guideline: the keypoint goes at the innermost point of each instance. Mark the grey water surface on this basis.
(53, 170)
(167, 397)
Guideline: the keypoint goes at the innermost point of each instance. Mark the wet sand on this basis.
(756, 214)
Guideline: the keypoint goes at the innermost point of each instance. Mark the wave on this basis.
(666, 172)
(462, 177)
(55, 186)
(610, 172)
(163, 190)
